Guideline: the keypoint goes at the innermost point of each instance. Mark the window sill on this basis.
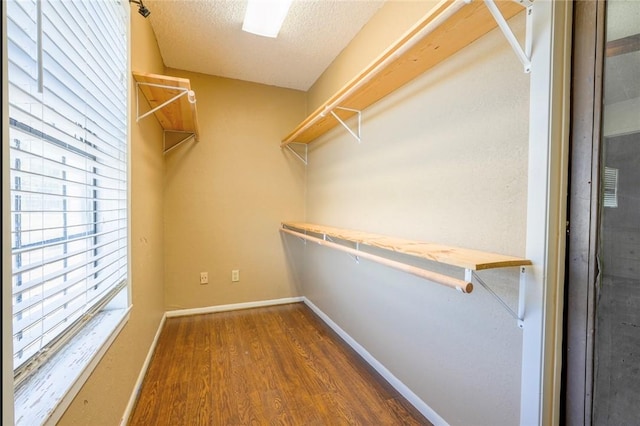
(45, 396)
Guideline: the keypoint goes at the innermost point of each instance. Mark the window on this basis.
(68, 90)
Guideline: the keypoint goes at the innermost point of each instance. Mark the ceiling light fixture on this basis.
(142, 9)
(265, 17)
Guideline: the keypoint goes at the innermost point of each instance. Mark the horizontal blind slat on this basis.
(54, 318)
(25, 304)
(20, 290)
(74, 135)
(105, 238)
(55, 138)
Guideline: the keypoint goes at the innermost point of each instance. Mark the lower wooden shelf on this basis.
(464, 258)
(470, 260)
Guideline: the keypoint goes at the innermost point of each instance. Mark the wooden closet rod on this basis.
(460, 285)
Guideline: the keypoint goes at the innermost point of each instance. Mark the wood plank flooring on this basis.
(278, 365)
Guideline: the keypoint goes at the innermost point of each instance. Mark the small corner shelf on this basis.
(173, 103)
(470, 260)
(437, 36)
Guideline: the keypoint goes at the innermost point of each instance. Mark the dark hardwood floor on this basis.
(278, 365)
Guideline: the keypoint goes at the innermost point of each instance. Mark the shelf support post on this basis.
(528, 41)
(521, 296)
(300, 157)
(524, 55)
(341, 121)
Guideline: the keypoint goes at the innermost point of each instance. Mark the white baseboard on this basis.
(232, 307)
(136, 389)
(418, 403)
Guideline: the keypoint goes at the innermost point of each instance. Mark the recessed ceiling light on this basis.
(265, 17)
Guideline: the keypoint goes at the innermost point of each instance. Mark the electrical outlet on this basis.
(235, 275)
(204, 278)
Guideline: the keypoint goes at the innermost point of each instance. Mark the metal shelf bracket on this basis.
(355, 257)
(355, 134)
(302, 157)
(524, 55)
(183, 91)
(175, 144)
(470, 274)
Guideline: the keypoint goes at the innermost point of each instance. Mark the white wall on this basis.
(443, 159)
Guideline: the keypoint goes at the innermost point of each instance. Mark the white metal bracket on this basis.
(524, 55)
(301, 157)
(470, 274)
(355, 134)
(353, 256)
(182, 92)
(174, 145)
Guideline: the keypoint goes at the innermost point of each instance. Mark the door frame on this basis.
(583, 211)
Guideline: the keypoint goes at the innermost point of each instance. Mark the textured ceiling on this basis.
(206, 36)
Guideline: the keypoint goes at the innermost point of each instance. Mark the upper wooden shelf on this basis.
(463, 258)
(398, 64)
(178, 116)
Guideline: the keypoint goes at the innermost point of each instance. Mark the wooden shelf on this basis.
(464, 258)
(386, 74)
(179, 117)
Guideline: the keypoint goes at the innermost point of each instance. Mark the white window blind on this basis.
(68, 153)
(610, 187)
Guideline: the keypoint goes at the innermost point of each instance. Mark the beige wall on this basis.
(226, 195)
(443, 159)
(103, 398)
